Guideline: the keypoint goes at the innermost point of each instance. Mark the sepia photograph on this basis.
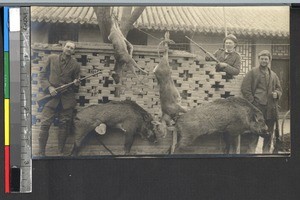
(151, 81)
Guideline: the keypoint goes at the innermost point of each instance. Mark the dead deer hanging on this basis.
(123, 52)
(170, 98)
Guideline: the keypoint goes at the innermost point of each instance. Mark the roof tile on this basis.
(247, 20)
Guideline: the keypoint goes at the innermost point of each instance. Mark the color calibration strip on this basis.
(6, 102)
(15, 98)
(12, 105)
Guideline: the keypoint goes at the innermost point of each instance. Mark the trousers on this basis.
(65, 118)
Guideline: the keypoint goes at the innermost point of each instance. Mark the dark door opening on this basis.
(282, 68)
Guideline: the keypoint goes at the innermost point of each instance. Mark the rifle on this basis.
(208, 53)
(278, 141)
(61, 89)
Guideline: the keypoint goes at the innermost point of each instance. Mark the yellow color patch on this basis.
(6, 122)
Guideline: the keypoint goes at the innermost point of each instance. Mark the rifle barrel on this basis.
(66, 86)
(196, 44)
(90, 75)
(211, 55)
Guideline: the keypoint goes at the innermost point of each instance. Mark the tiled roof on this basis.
(248, 21)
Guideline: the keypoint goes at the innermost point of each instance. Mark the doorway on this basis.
(282, 68)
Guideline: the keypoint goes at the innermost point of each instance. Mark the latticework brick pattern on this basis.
(196, 80)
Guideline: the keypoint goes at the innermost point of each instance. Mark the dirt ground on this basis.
(286, 129)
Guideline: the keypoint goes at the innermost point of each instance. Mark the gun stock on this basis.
(278, 142)
(42, 101)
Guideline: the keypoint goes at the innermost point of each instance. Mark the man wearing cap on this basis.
(261, 86)
(229, 59)
(59, 70)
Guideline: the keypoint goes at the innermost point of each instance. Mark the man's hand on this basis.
(52, 91)
(222, 65)
(76, 82)
(275, 95)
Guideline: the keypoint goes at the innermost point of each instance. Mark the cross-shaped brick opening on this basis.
(226, 95)
(107, 82)
(174, 64)
(82, 101)
(217, 85)
(83, 60)
(185, 94)
(104, 100)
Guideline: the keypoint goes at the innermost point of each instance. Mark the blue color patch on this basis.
(6, 28)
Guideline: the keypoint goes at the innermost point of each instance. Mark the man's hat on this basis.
(230, 37)
(265, 53)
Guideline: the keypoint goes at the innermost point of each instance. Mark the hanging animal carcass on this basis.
(169, 95)
(122, 51)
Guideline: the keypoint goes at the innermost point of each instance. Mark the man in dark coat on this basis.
(230, 60)
(59, 70)
(261, 86)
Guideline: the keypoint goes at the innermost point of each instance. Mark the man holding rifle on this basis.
(228, 59)
(59, 70)
(261, 87)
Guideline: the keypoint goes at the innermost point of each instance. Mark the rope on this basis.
(148, 34)
(101, 143)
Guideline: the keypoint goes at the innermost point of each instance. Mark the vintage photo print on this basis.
(160, 80)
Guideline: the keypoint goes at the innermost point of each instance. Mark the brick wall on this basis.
(196, 80)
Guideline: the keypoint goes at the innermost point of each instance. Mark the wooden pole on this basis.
(225, 21)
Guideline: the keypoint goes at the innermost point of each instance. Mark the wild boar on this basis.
(125, 115)
(232, 116)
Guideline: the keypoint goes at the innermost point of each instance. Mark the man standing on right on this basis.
(261, 86)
